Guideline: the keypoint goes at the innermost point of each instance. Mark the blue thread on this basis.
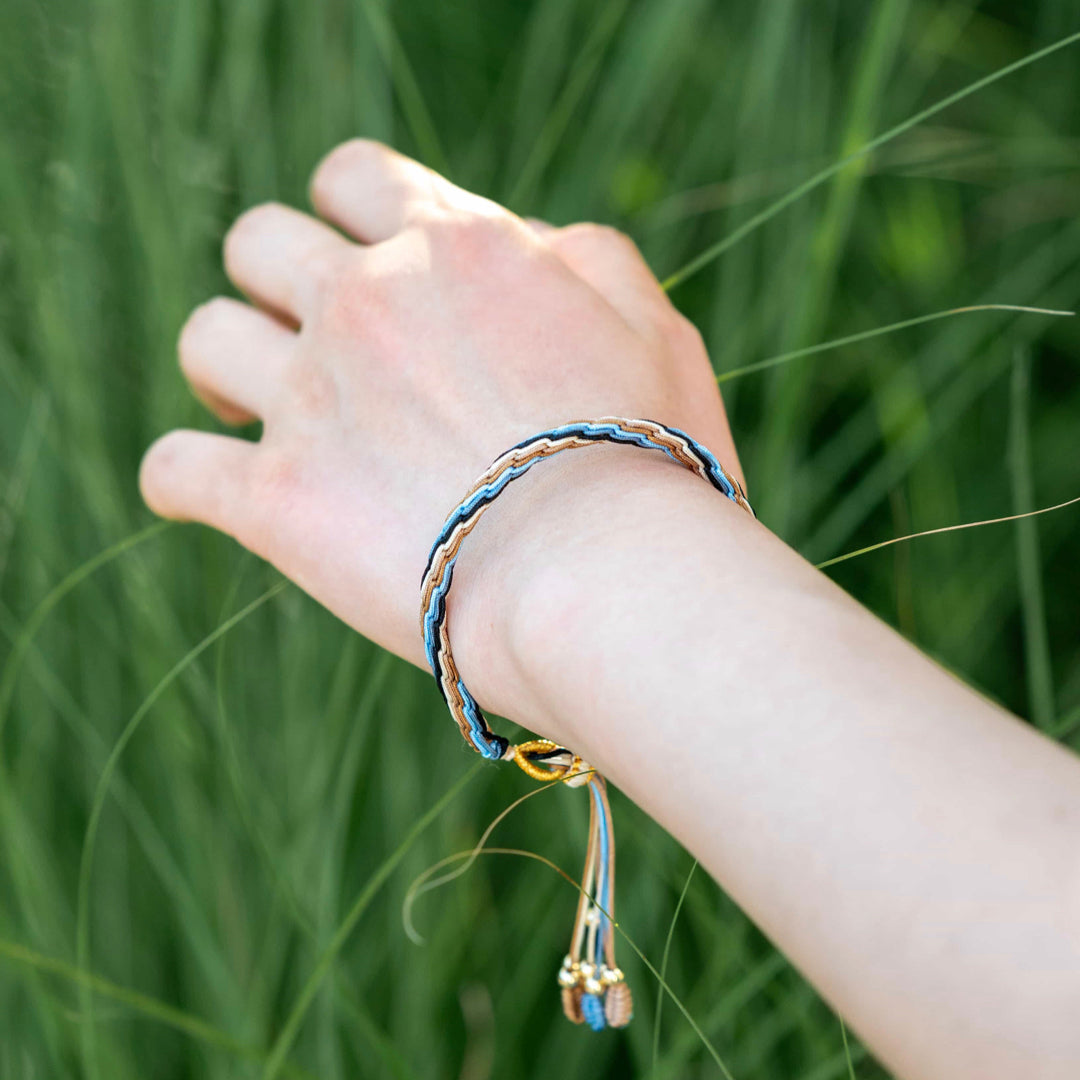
(592, 1010)
(602, 897)
(490, 746)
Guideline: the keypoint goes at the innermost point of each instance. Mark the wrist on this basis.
(525, 582)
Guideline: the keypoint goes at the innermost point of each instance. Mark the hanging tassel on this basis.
(593, 988)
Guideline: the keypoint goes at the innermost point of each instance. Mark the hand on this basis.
(391, 365)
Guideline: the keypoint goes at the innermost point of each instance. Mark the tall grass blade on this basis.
(815, 181)
(664, 963)
(143, 1004)
(944, 529)
(865, 335)
(291, 1027)
(847, 1050)
(562, 111)
(55, 595)
(82, 934)
(1040, 679)
(417, 115)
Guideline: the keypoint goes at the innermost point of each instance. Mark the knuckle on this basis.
(323, 267)
(541, 227)
(684, 337)
(311, 389)
(276, 473)
(349, 298)
(608, 234)
(599, 235)
(467, 238)
(686, 332)
(275, 484)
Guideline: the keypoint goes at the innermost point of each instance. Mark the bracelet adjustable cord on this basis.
(593, 988)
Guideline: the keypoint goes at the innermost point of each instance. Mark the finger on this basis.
(611, 263)
(373, 192)
(234, 357)
(197, 476)
(280, 258)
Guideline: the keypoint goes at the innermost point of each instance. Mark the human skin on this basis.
(909, 845)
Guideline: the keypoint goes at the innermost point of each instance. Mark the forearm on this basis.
(910, 846)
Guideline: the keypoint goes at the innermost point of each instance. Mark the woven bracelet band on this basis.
(593, 989)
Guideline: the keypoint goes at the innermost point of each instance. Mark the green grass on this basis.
(238, 767)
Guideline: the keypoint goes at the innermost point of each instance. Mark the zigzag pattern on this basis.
(514, 463)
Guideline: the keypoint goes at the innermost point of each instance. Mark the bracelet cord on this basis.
(593, 988)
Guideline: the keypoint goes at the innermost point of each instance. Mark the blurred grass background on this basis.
(268, 780)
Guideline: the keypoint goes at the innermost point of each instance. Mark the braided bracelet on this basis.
(593, 988)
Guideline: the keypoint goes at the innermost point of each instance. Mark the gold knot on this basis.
(563, 764)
